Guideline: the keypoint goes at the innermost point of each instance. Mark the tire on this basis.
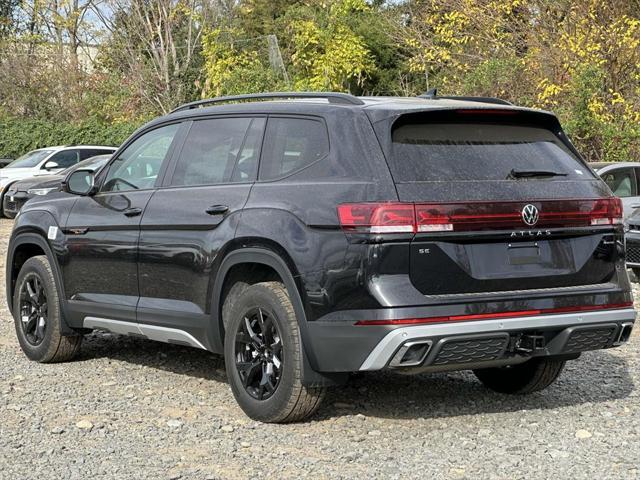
(267, 310)
(230, 300)
(41, 339)
(531, 376)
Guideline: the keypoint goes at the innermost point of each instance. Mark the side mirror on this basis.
(51, 165)
(80, 182)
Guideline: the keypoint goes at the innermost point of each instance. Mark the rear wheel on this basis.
(263, 355)
(37, 315)
(531, 376)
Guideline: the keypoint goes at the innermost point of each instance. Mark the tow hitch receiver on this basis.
(529, 344)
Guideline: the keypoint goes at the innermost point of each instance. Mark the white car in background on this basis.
(47, 161)
(623, 178)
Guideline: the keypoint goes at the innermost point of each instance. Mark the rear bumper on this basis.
(467, 344)
(488, 340)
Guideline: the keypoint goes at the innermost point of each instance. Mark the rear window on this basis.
(292, 144)
(478, 151)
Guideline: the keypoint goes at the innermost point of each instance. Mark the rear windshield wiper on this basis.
(534, 173)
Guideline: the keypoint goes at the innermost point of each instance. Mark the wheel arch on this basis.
(267, 255)
(22, 247)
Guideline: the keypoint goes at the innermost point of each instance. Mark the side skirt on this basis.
(152, 332)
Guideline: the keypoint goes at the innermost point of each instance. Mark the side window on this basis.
(138, 165)
(65, 158)
(219, 150)
(92, 152)
(621, 181)
(291, 144)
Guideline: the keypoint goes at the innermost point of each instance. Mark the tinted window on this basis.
(138, 165)
(291, 144)
(219, 150)
(478, 151)
(621, 181)
(65, 158)
(92, 152)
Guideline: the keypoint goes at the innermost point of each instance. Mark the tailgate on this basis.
(502, 203)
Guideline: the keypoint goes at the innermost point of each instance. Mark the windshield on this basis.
(474, 151)
(31, 159)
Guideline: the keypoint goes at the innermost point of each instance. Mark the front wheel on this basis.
(533, 375)
(263, 357)
(38, 317)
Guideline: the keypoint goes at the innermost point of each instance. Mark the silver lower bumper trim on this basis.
(382, 353)
(152, 332)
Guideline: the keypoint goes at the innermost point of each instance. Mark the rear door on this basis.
(502, 203)
(192, 217)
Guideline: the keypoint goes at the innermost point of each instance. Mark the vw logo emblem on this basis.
(530, 215)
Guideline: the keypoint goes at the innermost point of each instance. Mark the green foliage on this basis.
(320, 43)
(579, 59)
(231, 68)
(18, 136)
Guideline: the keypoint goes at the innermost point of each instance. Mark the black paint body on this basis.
(167, 266)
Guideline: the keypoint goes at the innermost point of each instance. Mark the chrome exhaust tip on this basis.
(624, 333)
(411, 354)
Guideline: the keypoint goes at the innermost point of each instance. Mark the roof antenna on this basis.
(433, 93)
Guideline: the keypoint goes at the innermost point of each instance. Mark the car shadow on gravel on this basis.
(594, 378)
(162, 356)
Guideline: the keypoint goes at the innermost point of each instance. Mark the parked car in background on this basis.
(22, 190)
(632, 240)
(332, 234)
(46, 161)
(623, 179)
(5, 161)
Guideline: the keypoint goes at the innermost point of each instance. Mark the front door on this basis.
(191, 218)
(100, 270)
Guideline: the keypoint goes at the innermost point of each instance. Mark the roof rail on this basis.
(433, 95)
(497, 101)
(331, 97)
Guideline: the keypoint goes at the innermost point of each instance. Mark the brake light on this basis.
(474, 216)
(511, 215)
(486, 316)
(377, 217)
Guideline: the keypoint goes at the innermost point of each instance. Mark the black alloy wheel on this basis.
(33, 309)
(259, 354)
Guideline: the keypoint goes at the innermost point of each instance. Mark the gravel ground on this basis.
(130, 408)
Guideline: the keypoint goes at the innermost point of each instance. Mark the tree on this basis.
(156, 44)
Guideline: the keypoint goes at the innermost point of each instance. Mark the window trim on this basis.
(188, 123)
(163, 168)
(295, 171)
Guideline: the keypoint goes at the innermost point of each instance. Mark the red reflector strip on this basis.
(486, 316)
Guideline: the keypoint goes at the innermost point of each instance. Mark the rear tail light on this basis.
(473, 216)
(378, 217)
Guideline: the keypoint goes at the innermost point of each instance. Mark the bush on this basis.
(18, 136)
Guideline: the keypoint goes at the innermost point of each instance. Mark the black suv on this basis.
(315, 235)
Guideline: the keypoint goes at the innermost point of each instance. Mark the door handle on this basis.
(217, 209)
(133, 212)
(635, 205)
